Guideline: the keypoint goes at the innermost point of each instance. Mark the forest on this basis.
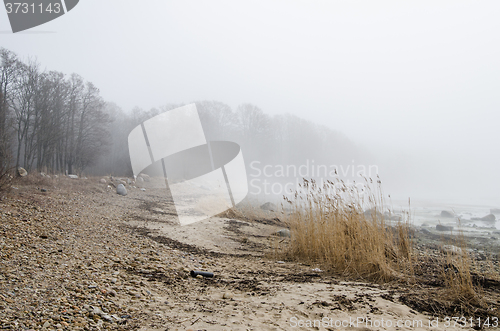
(54, 122)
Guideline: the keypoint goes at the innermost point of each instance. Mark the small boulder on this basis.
(440, 227)
(102, 181)
(283, 233)
(140, 180)
(454, 250)
(73, 176)
(396, 218)
(145, 177)
(121, 190)
(373, 213)
(446, 214)
(425, 231)
(489, 218)
(269, 206)
(125, 181)
(22, 172)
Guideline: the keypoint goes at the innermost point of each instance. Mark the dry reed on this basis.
(329, 226)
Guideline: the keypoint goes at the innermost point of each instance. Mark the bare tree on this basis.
(8, 63)
(23, 104)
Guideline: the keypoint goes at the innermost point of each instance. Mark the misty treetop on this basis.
(271, 140)
(57, 123)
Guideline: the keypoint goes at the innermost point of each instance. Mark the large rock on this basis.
(440, 227)
(22, 172)
(121, 190)
(446, 214)
(495, 211)
(269, 206)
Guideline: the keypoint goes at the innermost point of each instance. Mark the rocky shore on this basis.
(75, 255)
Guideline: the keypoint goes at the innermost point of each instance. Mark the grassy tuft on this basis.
(457, 277)
(329, 226)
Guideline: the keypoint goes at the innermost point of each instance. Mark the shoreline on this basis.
(81, 257)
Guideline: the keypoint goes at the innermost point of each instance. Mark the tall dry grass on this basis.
(457, 274)
(329, 226)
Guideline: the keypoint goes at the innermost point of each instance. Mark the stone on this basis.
(489, 218)
(227, 295)
(102, 181)
(269, 206)
(440, 227)
(145, 177)
(394, 217)
(283, 233)
(22, 172)
(424, 230)
(107, 318)
(446, 214)
(121, 190)
(73, 176)
(452, 249)
(373, 213)
(495, 211)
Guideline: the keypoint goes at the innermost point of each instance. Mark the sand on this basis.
(81, 257)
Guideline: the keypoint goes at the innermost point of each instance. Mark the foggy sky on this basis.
(415, 83)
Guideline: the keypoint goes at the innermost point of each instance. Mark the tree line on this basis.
(271, 140)
(57, 123)
(49, 121)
